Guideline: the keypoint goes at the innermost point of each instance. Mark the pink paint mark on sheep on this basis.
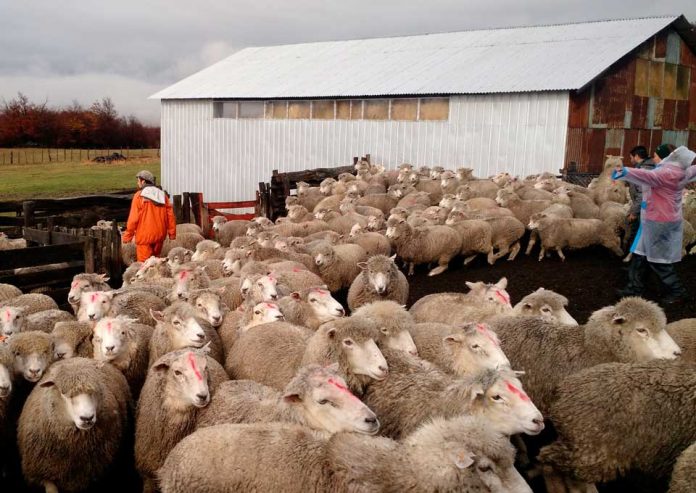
(502, 296)
(271, 306)
(296, 269)
(320, 291)
(341, 387)
(93, 298)
(74, 284)
(517, 392)
(183, 275)
(192, 362)
(8, 315)
(109, 326)
(487, 333)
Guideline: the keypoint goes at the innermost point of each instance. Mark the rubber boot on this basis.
(674, 289)
(637, 269)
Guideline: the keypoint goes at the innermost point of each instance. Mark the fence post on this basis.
(196, 206)
(28, 207)
(50, 225)
(116, 261)
(178, 213)
(89, 254)
(186, 208)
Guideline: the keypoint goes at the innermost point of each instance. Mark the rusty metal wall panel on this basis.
(630, 140)
(614, 139)
(692, 140)
(681, 118)
(597, 140)
(673, 47)
(654, 116)
(692, 100)
(579, 110)
(660, 46)
(683, 81)
(639, 112)
(669, 85)
(668, 114)
(642, 77)
(655, 138)
(611, 95)
(655, 78)
(574, 147)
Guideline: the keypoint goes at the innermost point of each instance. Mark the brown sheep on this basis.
(546, 304)
(378, 280)
(310, 307)
(72, 339)
(177, 386)
(394, 323)
(31, 303)
(424, 245)
(13, 320)
(338, 264)
(684, 334)
(684, 473)
(33, 354)
(81, 409)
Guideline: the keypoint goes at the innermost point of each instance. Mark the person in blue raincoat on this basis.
(658, 245)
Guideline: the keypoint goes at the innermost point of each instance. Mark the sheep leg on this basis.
(468, 260)
(542, 253)
(560, 253)
(437, 270)
(50, 487)
(501, 253)
(628, 257)
(515, 250)
(574, 486)
(532, 242)
(553, 481)
(410, 268)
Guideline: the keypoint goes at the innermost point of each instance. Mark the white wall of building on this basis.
(227, 158)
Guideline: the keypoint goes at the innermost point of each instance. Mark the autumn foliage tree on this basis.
(24, 123)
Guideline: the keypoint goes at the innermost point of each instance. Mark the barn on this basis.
(524, 100)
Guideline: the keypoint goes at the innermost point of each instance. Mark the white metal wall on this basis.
(225, 159)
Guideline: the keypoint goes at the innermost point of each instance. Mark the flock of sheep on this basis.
(228, 365)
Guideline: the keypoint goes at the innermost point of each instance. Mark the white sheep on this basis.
(13, 320)
(379, 279)
(338, 264)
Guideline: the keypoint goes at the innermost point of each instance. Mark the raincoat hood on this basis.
(154, 194)
(681, 156)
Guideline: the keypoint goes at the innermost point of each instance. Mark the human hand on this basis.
(632, 217)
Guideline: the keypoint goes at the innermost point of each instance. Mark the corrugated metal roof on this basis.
(544, 58)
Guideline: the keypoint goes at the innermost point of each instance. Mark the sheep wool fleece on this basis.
(151, 218)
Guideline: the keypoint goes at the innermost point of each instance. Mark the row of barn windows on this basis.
(406, 109)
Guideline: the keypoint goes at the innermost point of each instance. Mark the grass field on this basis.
(70, 178)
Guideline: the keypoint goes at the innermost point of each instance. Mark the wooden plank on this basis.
(32, 280)
(11, 221)
(28, 208)
(231, 205)
(115, 273)
(88, 254)
(30, 257)
(186, 208)
(178, 213)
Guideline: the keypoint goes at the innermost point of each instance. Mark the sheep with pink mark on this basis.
(311, 307)
(86, 282)
(15, 319)
(244, 318)
(133, 304)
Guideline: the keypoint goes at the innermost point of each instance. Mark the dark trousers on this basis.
(631, 232)
(638, 269)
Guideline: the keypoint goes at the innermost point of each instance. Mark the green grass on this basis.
(66, 179)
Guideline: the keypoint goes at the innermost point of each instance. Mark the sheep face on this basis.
(81, 408)
(494, 294)
(94, 305)
(63, 349)
(324, 255)
(302, 188)
(265, 313)
(183, 328)
(329, 405)
(266, 239)
(11, 320)
(323, 305)
(499, 477)
(150, 269)
(399, 340)
(505, 404)
(403, 176)
(183, 280)
(448, 180)
(80, 286)
(504, 197)
(355, 230)
(413, 179)
(111, 337)
(33, 353)
(475, 348)
(209, 306)
(218, 221)
(265, 286)
(447, 200)
(396, 228)
(397, 191)
(233, 261)
(374, 223)
(187, 379)
(205, 250)
(545, 304)
(5, 381)
(179, 256)
(365, 358)
(436, 172)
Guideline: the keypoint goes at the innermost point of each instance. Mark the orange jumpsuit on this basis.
(151, 218)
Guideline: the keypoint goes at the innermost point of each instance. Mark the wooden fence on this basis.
(38, 155)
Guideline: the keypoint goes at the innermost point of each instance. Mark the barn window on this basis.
(343, 109)
(224, 109)
(280, 110)
(323, 110)
(299, 110)
(356, 110)
(376, 109)
(433, 109)
(404, 109)
(251, 109)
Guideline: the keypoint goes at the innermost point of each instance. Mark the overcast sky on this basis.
(65, 50)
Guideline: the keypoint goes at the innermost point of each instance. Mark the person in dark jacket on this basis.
(640, 160)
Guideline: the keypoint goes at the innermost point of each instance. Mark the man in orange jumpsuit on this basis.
(151, 218)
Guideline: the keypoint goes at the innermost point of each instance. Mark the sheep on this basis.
(684, 334)
(522, 209)
(299, 214)
(188, 228)
(379, 279)
(348, 205)
(309, 196)
(8, 291)
(228, 231)
(546, 304)
(303, 401)
(416, 391)
(423, 245)
(252, 288)
(79, 408)
(633, 330)
(72, 339)
(310, 307)
(178, 327)
(482, 302)
(261, 254)
(393, 321)
(128, 278)
(684, 472)
(415, 200)
(244, 318)
(475, 237)
(382, 201)
(582, 205)
(123, 343)
(477, 188)
(7, 244)
(209, 305)
(271, 354)
(128, 254)
(617, 418)
(178, 385)
(83, 283)
(505, 234)
(13, 320)
(154, 269)
(185, 240)
(460, 350)
(373, 243)
(33, 353)
(187, 278)
(556, 233)
(134, 304)
(430, 186)
(338, 264)
(207, 250)
(31, 303)
(461, 454)
(6, 377)
(296, 279)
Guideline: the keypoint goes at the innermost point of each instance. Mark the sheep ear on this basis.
(104, 277)
(473, 285)
(618, 319)
(362, 265)
(451, 340)
(476, 392)
(331, 333)
(462, 458)
(161, 367)
(47, 383)
(502, 284)
(292, 398)
(333, 367)
(157, 315)
(393, 258)
(249, 253)
(295, 295)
